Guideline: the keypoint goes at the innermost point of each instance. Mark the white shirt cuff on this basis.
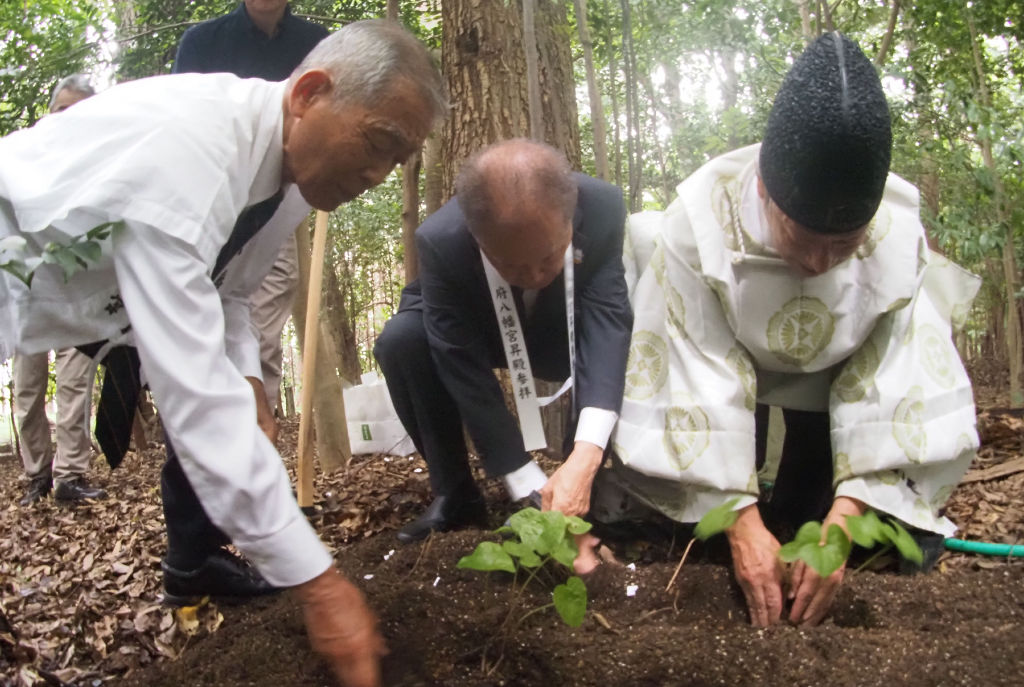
(596, 425)
(290, 556)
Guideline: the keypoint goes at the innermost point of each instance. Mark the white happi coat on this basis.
(174, 160)
(722, 323)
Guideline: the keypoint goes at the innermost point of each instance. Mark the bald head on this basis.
(497, 184)
(518, 198)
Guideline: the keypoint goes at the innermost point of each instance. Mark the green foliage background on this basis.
(706, 74)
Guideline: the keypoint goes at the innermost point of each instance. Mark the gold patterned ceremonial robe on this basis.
(722, 323)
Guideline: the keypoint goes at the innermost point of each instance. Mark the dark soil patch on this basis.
(954, 627)
(80, 599)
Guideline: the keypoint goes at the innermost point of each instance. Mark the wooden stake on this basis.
(316, 278)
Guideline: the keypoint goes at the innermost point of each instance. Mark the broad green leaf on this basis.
(488, 556)
(571, 601)
(553, 534)
(905, 544)
(790, 552)
(577, 525)
(528, 558)
(865, 530)
(565, 552)
(527, 524)
(716, 520)
(837, 538)
(809, 533)
(824, 559)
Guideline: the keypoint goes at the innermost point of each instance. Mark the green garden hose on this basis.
(985, 548)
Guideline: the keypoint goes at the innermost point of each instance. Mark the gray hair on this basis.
(511, 172)
(79, 83)
(366, 59)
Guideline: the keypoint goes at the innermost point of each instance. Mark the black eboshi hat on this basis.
(827, 147)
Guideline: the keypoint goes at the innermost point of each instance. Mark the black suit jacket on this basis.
(463, 332)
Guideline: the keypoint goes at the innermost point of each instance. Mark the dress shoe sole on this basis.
(182, 601)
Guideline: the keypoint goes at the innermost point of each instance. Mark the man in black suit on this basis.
(520, 209)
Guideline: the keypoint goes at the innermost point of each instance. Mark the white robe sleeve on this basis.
(686, 429)
(207, 407)
(902, 411)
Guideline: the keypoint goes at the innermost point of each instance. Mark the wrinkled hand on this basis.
(342, 628)
(568, 489)
(756, 564)
(264, 415)
(811, 594)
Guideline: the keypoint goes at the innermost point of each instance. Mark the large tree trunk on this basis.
(484, 63)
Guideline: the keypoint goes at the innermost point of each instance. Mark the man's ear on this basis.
(311, 85)
(761, 190)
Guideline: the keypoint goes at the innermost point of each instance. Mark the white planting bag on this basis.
(373, 424)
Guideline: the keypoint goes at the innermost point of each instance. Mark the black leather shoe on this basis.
(38, 489)
(446, 513)
(222, 576)
(77, 489)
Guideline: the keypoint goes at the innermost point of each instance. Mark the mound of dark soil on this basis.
(957, 626)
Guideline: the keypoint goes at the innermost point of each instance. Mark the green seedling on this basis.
(70, 257)
(828, 554)
(541, 540)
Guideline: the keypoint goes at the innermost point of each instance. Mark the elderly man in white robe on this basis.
(795, 273)
(170, 163)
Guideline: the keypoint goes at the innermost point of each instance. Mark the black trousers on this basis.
(427, 411)
(426, 408)
(191, 535)
(803, 487)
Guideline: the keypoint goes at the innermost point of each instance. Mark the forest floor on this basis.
(80, 598)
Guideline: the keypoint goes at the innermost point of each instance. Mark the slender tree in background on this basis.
(410, 192)
(593, 92)
(1014, 349)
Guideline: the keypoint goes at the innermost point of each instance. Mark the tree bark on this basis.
(613, 70)
(532, 57)
(593, 92)
(329, 420)
(633, 157)
(433, 191)
(410, 193)
(485, 69)
(883, 50)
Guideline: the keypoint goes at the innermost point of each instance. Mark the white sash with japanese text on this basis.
(524, 389)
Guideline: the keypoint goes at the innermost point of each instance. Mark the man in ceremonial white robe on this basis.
(171, 164)
(795, 273)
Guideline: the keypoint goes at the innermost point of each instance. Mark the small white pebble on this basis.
(367, 577)
(389, 554)
(631, 566)
(387, 459)
(418, 470)
(631, 589)
(436, 580)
